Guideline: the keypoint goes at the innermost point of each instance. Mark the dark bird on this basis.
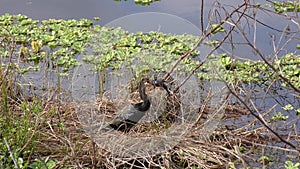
(128, 118)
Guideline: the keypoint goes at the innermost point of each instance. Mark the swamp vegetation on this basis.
(39, 127)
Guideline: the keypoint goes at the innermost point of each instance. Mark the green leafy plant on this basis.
(219, 29)
(288, 107)
(231, 165)
(125, 48)
(141, 2)
(265, 159)
(279, 117)
(289, 6)
(52, 45)
(47, 164)
(291, 165)
(20, 132)
(50, 41)
(298, 111)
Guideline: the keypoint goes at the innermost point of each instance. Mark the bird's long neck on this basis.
(145, 105)
(142, 92)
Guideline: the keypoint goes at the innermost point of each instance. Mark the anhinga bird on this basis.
(127, 119)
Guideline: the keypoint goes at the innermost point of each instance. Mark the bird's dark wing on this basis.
(123, 126)
(143, 106)
(127, 119)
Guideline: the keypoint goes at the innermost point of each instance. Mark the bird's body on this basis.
(131, 115)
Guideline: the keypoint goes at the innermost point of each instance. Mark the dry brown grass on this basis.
(61, 138)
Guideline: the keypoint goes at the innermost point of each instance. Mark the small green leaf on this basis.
(298, 111)
(288, 107)
(217, 27)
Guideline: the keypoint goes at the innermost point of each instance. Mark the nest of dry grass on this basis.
(61, 138)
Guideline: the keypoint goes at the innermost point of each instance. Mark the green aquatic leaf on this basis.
(288, 107)
(217, 27)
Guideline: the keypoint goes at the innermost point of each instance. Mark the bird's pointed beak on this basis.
(159, 83)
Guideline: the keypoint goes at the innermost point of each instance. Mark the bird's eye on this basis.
(148, 82)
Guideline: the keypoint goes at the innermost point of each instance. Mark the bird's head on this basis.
(161, 83)
(147, 82)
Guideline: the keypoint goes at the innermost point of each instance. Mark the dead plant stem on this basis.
(259, 118)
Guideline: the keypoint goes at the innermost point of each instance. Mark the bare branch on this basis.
(213, 50)
(201, 39)
(262, 121)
